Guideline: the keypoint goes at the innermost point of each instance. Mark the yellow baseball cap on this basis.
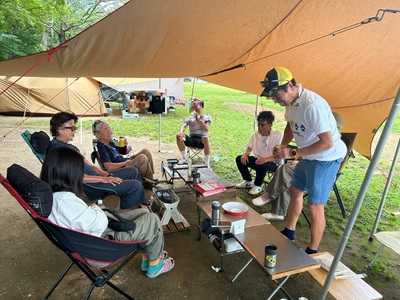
(275, 78)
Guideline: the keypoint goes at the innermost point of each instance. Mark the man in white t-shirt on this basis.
(311, 123)
(261, 146)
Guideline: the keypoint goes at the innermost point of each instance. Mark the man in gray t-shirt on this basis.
(199, 125)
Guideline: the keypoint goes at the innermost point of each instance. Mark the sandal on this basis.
(145, 263)
(166, 266)
(271, 216)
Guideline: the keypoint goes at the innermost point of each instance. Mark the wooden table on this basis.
(343, 289)
(258, 233)
(290, 258)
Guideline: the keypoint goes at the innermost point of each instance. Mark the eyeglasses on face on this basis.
(72, 128)
(270, 83)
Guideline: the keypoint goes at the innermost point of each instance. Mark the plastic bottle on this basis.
(216, 241)
(189, 163)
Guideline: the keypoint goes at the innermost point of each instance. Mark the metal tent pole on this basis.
(361, 194)
(159, 132)
(385, 192)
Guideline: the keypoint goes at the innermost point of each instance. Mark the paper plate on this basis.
(235, 208)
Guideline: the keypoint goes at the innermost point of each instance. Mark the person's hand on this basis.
(112, 180)
(182, 136)
(261, 160)
(244, 159)
(283, 153)
(197, 116)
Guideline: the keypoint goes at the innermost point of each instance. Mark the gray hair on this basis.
(339, 120)
(96, 125)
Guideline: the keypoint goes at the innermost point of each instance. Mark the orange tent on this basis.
(47, 96)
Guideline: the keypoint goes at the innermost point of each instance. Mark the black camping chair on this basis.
(38, 141)
(89, 253)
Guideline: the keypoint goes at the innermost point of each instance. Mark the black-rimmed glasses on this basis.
(73, 128)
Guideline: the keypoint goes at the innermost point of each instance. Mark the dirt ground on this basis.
(29, 263)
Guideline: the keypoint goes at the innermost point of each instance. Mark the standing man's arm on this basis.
(325, 142)
(287, 135)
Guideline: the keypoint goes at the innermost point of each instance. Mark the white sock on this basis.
(207, 159)
(184, 154)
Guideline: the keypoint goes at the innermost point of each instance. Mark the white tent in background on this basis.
(171, 86)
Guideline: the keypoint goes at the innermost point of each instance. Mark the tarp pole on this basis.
(361, 194)
(385, 192)
(256, 114)
(26, 104)
(67, 90)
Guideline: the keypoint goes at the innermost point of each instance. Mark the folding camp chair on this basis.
(196, 153)
(95, 155)
(92, 192)
(390, 239)
(89, 253)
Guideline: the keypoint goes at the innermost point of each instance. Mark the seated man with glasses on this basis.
(261, 146)
(126, 182)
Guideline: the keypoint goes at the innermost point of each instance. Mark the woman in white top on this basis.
(63, 171)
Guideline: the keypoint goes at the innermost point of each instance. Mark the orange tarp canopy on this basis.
(356, 69)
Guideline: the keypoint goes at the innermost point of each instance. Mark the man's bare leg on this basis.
(317, 213)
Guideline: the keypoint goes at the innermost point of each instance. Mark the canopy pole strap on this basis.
(361, 194)
(378, 17)
(392, 183)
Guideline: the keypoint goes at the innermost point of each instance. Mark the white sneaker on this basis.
(270, 216)
(255, 190)
(182, 162)
(259, 201)
(245, 184)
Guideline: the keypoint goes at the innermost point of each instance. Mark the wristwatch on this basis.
(293, 153)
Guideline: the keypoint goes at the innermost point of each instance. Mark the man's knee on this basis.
(205, 140)
(141, 159)
(238, 159)
(296, 193)
(146, 152)
(315, 209)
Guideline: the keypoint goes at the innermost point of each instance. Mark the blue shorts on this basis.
(316, 178)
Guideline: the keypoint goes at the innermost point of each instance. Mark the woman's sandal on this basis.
(167, 265)
(145, 263)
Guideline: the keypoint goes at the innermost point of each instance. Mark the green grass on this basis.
(229, 133)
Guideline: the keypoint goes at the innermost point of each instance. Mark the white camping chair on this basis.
(389, 239)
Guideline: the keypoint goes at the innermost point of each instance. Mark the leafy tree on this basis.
(29, 26)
